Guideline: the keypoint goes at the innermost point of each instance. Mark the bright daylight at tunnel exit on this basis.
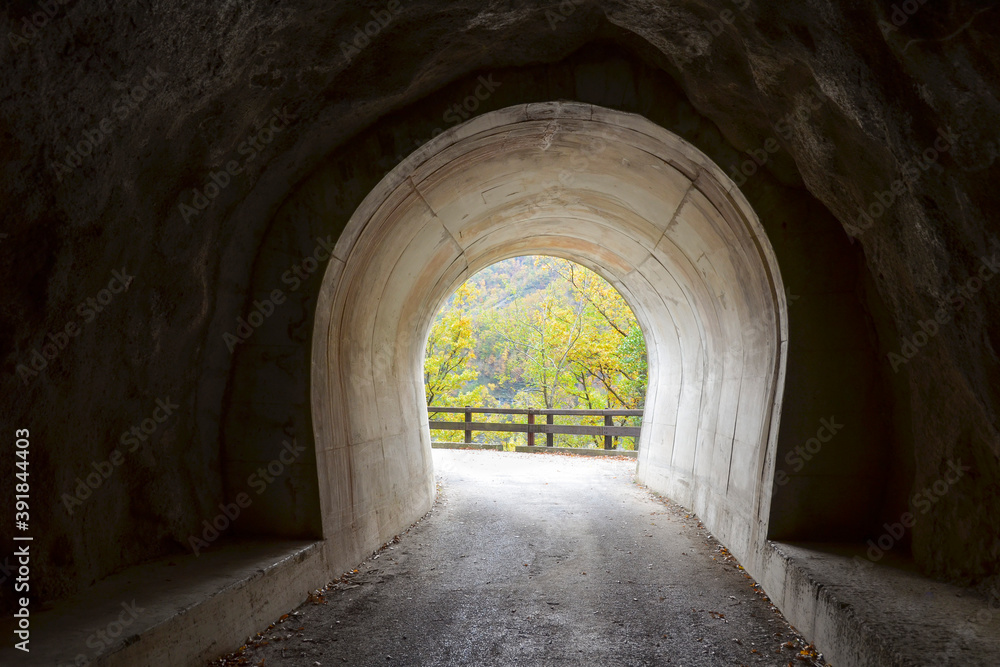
(501, 334)
(536, 338)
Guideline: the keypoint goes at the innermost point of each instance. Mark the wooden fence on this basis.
(609, 430)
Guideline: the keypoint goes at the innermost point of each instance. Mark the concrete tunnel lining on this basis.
(609, 190)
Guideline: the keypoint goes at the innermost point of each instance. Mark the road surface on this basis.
(538, 559)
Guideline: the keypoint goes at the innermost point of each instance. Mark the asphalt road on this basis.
(531, 559)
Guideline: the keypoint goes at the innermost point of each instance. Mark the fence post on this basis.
(468, 419)
(609, 440)
(531, 420)
(548, 436)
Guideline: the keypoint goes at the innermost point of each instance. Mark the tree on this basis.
(543, 335)
(609, 366)
(449, 352)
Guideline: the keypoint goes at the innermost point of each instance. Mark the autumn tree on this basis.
(449, 352)
(543, 336)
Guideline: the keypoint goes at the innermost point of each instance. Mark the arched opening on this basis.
(610, 191)
(539, 341)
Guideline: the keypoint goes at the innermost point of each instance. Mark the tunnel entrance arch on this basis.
(608, 190)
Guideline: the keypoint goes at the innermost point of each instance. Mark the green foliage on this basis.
(536, 332)
(447, 367)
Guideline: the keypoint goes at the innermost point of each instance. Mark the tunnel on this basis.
(610, 191)
(227, 229)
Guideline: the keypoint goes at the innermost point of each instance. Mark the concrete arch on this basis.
(609, 190)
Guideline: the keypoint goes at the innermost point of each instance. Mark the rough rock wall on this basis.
(170, 96)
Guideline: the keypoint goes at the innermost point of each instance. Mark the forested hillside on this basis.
(536, 332)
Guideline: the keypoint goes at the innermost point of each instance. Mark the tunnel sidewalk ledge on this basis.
(183, 610)
(883, 614)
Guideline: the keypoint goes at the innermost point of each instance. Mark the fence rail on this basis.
(609, 430)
